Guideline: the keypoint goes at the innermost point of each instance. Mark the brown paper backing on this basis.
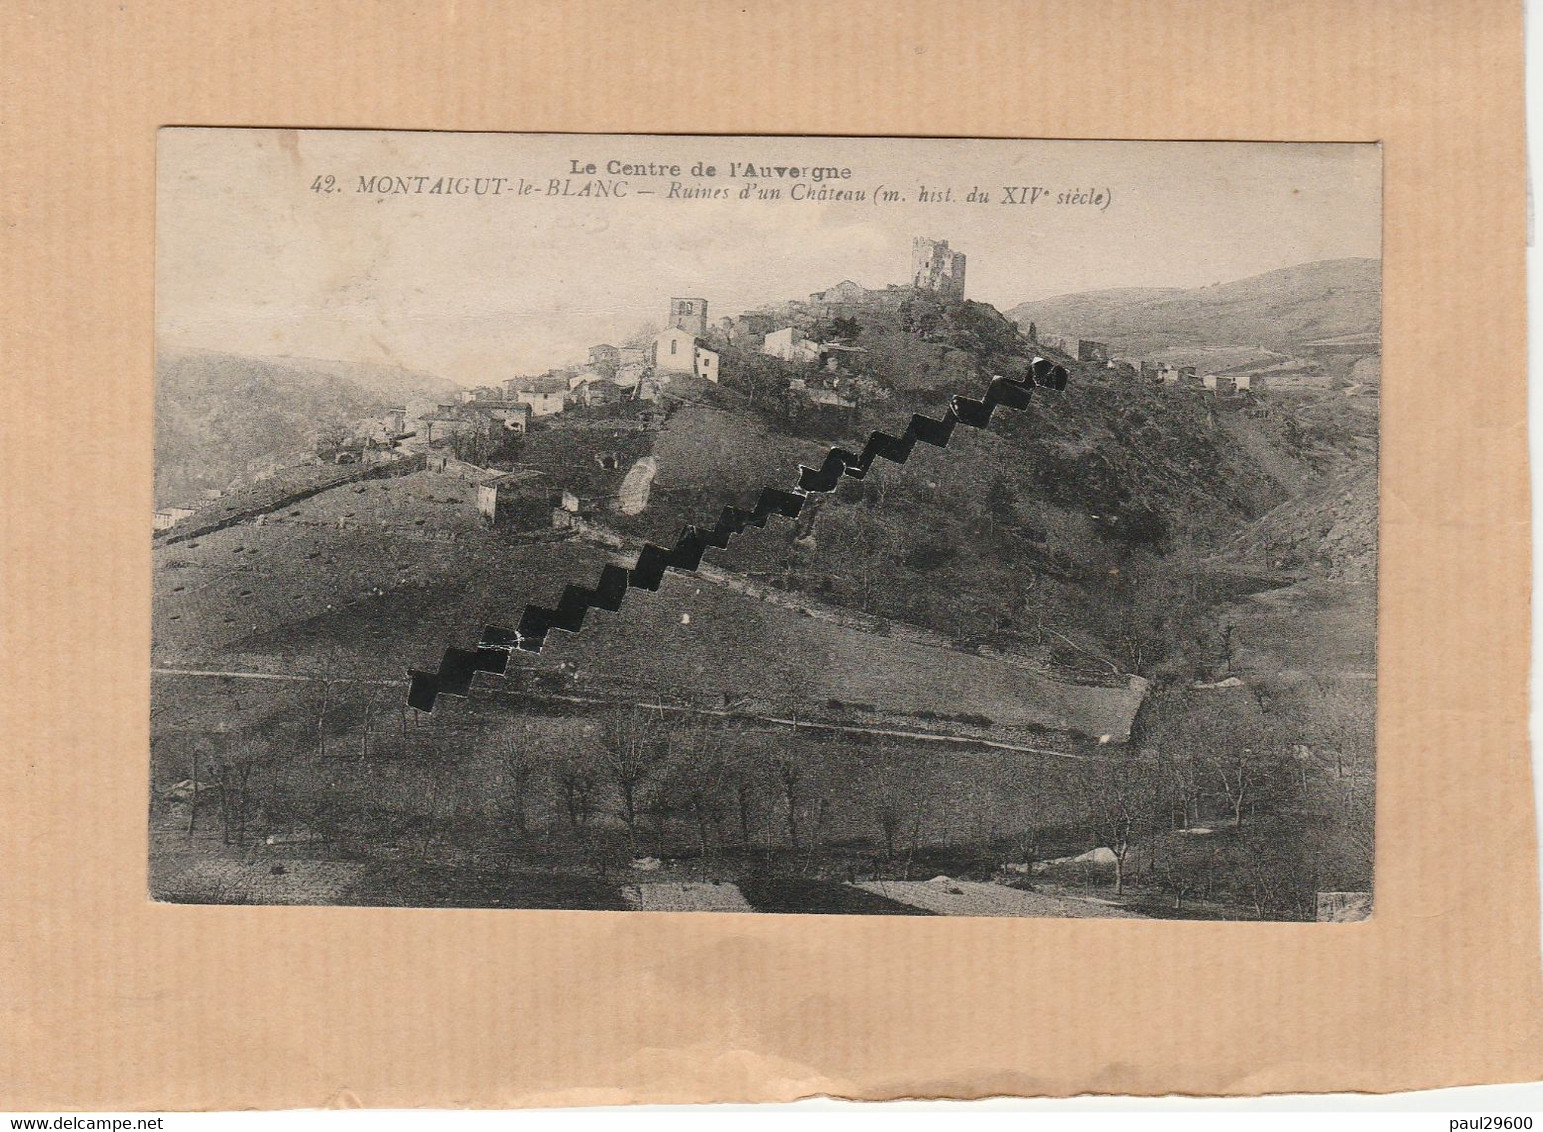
(109, 1001)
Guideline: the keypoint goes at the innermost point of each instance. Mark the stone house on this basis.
(544, 383)
(831, 397)
(167, 517)
(542, 403)
(750, 328)
(844, 292)
(605, 358)
(791, 345)
(839, 358)
(675, 351)
(520, 498)
(514, 416)
(441, 428)
(600, 393)
(630, 373)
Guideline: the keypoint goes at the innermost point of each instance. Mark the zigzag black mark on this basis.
(460, 666)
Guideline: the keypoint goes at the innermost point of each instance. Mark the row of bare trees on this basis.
(1232, 789)
(1253, 769)
(651, 774)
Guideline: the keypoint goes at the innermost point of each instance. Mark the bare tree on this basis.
(232, 770)
(1183, 868)
(436, 760)
(327, 677)
(918, 816)
(520, 766)
(697, 777)
(631, 751)
(576, 788)
(332, 434)
(1186, 784)
(892, 788)
(792, 688)
(860, 544)
(789, 772)
(371, 704)
(744, 780)
(817, 838)
(1235, 772)
(1244, 759)
(1224, 743)
(890, 821)
(643, 336)
(1150, 612)
(658, 810)
(195, 750)
(1117, 801)
(871, 546)
(1028, 840)
(1270, 876)
(1340, 721)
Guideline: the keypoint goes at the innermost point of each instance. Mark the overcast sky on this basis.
(252, 260)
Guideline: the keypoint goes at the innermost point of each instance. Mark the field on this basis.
(391, 570)
(719, 647)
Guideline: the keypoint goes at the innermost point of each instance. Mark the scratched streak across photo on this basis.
(459, 666)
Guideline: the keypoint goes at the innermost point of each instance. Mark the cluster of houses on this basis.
(1229, 370)
(1093, 352)
(935, 268)
(527, 498)
(429, 426)
(611, 374)
(686, 347)
(642, 373)
(792, 345)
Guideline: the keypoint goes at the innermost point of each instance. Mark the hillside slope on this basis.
(1072, 532)
(1069, 531)
(1279, 310)
(787, 723)
(221, 417)
(1331, 530)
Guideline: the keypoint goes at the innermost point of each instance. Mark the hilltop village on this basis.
(814, 337)
(1060, 668)
(619, 389)
(821, 372)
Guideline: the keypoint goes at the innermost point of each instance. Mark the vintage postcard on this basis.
(766, 524)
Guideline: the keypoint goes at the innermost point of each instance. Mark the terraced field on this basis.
(702, 637)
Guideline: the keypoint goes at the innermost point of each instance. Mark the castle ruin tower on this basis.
(934, 267)
(689, 315)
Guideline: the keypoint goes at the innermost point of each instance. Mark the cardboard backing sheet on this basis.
(108, 1001)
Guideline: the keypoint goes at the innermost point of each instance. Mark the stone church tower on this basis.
(689, 315)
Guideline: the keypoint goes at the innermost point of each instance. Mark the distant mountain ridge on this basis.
(222, 417)
(1279, 310)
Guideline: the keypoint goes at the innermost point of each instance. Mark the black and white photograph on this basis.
(801, 525)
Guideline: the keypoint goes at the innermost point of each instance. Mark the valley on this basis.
(1134, 619)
